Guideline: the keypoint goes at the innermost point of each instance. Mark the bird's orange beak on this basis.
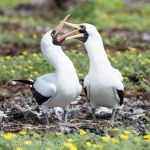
(77, 29)
(70, 35)
(58, 29)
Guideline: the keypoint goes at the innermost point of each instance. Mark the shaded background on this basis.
(123, 25)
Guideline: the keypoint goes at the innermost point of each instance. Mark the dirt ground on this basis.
(18, 110)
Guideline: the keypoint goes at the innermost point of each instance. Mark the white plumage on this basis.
(57, 89)
(63, 86)
(103, 83)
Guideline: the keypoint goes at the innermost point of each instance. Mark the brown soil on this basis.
(19, 110)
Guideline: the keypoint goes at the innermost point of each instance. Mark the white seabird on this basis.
(57, 89)
(103, 83)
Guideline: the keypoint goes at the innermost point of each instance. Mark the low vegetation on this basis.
(115, 14)
(132, 64)
(122, 139)
(20, 57)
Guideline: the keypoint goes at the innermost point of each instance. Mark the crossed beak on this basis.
(58, 28)
(77, 33)
(78, 30)
(60, 38)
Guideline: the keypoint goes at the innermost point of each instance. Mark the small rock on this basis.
(137, 114)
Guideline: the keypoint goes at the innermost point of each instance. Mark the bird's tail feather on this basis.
(25, 81)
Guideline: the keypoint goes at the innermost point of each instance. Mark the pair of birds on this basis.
(102, 85)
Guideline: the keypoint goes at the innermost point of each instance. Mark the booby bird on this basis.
(103, 83)
(57, 89)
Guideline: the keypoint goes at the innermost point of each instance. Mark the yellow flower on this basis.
(126, 78)
(73, 51)
(124, 137)
(105, 139)
(69, 140)
(21, 57)
(30, 67)
(147, 140)
(143, 63)
(4, 67)
(25, 69)
(98, 146)
(8, 57)
(126, 69)
(80, 75)
(147, 60)
(88, 144)
(8, 136)
(29, 62)
(132, 49)
(30, 128)
(36, 135)
(21, 35)
(118, 53)
(78, 45)
(137, 139)
(147, 137)
(127, 132)
(12, 71)
(31, 75)
(114, 60)
(59, 133)
(35, 73)
(140, 55)
(22, 132)
(25, 53)
(116, 129)
(19, 148)
(114, 140)
(48, 148)
(34, 36)
(82, 132)
(28, 142)
(19, 67)
(70, 146)
(2, 59)
(35, 55)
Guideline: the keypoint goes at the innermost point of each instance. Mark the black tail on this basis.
(25, 81)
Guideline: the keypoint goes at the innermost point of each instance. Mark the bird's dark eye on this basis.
(53, 33)
(82, 27)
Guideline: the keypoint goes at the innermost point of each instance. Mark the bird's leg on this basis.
(44, 109)
(64, 118)
(46, 118)
(93, 113)
(113, 114)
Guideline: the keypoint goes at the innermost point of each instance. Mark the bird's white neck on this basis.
(96, 52)
(60, 62)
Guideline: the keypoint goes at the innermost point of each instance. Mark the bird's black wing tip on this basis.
(121, 96)
(24, 81)
(85, 91)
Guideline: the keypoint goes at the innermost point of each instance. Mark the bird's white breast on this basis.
(67, 89)
(102, 88)
(67, 85)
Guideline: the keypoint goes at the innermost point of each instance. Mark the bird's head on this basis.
(52, 39)
(87, 28)
(84, 31)
(48, 39)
